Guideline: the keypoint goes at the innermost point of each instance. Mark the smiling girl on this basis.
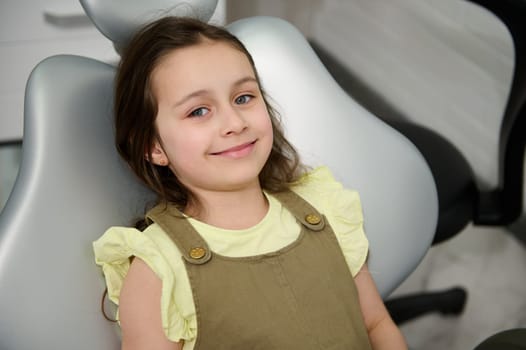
(245, 249)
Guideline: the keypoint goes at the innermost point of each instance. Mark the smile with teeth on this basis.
(236, 151)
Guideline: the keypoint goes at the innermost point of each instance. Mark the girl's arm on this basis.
(140, 310)
(383, 333)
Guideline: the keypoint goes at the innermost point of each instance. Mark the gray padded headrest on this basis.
(119, 19)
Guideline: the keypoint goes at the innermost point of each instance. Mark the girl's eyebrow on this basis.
(189, 96)
(244, 80)
(204, 91)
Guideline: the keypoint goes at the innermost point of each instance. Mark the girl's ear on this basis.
(158, 156)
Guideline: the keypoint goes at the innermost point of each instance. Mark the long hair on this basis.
(136, 108)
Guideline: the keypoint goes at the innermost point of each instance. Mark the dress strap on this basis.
(304, 212)
(193, 247)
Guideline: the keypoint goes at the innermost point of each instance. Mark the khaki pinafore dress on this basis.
(299, 297)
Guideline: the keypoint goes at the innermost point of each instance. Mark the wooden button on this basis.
(313, 219)
(197, 253)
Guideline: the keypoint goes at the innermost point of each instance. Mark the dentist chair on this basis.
(72, 185)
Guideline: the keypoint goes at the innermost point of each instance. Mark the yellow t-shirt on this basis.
(341, 207)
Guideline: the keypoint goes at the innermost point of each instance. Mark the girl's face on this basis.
(214, 128)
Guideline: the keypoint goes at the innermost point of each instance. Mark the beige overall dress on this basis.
(302, 296)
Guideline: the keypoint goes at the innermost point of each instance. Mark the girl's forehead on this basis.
(207, 55)
(204, 50)
(200, 66)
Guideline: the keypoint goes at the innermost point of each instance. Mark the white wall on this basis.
(31, 30)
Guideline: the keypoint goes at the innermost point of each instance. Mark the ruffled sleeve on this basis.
(113, 251)
(343, 210)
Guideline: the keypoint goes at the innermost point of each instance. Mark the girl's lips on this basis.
(236, 151)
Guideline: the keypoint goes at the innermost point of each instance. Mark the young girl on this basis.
(245, 250)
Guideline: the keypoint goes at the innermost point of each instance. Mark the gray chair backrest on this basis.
(72, 185)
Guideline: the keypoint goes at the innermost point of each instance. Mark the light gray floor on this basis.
(490, 263)
(445, 64)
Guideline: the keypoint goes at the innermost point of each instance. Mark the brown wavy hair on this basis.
(136, 108)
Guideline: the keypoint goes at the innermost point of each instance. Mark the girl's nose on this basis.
(234, 122)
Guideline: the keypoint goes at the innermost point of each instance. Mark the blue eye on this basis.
(243, 99)
(199, 112)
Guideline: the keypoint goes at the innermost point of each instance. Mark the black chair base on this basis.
(408, 307)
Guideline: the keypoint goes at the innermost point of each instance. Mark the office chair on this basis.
(72, 185)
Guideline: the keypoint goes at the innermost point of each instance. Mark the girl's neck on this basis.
(233, 210)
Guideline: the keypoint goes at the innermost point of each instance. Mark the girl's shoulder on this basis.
(343, 210)
(321, 189)
(113, 251)
(118, 243)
